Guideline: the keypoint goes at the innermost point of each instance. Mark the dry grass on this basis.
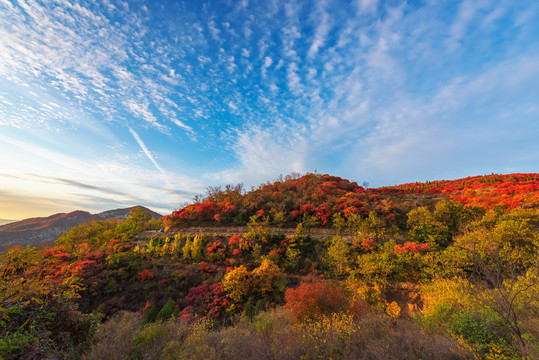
(273, 335)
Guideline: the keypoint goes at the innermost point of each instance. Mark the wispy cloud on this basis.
(141, 109)
(294, 81)
(322, 30)
(214, 31)
(261, 153)
(86, 58)
(463, 19)
(367, 6)
(86, 186)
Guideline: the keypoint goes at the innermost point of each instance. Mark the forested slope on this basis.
(443, 270)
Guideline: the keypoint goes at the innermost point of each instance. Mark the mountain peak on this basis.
(39, 230)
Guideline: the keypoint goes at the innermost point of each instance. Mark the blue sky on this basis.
(107, 104)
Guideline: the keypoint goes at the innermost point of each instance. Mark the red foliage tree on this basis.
(234, 241)
(236, 253)
(209, 302)
(411, 247)
(145, 274)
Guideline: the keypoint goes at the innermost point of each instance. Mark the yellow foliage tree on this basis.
(237, 283)
(393, 309)
(268, 278)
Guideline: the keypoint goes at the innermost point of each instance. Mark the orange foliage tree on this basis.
(311, 299)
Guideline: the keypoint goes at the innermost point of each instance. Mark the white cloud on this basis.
(242, 4)
(230, 64)
(379, 58)
(267, 63)
(214, 31)
(459, 27)
(203, 60)
(261, 151)
(233, 107)
(140, 109)
(311, 73)
(182, 125)
(294, 81)
(322, 30)
(367, 6)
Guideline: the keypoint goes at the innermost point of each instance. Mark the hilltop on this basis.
(324, 199)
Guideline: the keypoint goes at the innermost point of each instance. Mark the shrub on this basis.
(480, 329)
(145, 274)
(154, 340)
(114, 337)
(311, 299)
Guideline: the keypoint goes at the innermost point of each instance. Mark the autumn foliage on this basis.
(315, 298)
(486, 191)
(145, 275)
(411, 247)
(285, 201)
(324, 269)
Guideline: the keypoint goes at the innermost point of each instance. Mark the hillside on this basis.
(42, 230)
(311, 266)
(488, 191)
(122, 214)
(324, 199)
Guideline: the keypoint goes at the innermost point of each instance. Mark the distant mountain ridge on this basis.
(41, 230)
(6, 221)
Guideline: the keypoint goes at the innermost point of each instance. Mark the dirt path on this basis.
(227, 231)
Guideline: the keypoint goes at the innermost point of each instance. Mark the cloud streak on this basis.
(148, 153)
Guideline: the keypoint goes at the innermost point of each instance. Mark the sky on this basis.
(107, 104)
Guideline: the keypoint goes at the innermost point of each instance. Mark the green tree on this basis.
(150, 315)
(39, 315)
(167, 311)
(96, 234)
(369, 227)
(502, 259)
(136, 222)
(339, 223)
(338, 255)
(426, 228)
(454, 215)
